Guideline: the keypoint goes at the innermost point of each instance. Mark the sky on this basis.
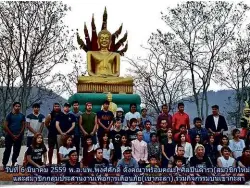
(139, 20)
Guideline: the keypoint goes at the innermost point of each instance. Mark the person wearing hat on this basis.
(65, 124)
(120, 115)
(88, 123)
(127, 162)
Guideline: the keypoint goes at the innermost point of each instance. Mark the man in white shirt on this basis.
(140, 150)
(34, 123)
(216, 124)
(133, 114)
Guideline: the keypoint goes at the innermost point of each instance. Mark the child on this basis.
(65, 149)
(152, 164)
(179, 165)
(154, 147)
(36, 152)
(106, 146)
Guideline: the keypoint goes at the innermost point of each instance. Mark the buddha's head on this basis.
(104, 39)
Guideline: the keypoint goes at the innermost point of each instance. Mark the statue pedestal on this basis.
(97, 99)
(96, 84)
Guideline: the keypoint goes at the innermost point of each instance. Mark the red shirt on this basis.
(166, 117)
(180, 119)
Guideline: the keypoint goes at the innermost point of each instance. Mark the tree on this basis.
(33, 40)
(158, 80)
(199, 33)
(68, 82)
(234, 73)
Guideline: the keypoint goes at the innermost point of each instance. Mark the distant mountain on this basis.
(45, 97)
(224, 99)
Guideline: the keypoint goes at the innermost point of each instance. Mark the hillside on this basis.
(223, 98)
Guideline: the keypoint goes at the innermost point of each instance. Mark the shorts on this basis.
(52, 141)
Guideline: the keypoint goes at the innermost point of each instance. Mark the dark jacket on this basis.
(222, 124)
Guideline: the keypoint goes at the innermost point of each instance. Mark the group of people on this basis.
(128, 140)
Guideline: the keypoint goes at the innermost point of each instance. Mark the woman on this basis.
(65, 149)
(168, 149)
(120, 115)
(187, 146)
(211, 150)
(195, 142)
(124, 144)
(223, 142)
(106, 146)
(88, 151)
(36, 152)
(236, 144)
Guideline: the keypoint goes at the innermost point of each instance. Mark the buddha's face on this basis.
(104, 40)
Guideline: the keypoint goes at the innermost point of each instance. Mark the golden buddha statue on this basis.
(112, 106)
(103, 62)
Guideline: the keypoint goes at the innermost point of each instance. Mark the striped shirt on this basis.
(35, 122)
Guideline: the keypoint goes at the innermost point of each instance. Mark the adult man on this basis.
(133, 114)
(35, 123)
(140, 150)
(216, 124)
(179, 153)
(164, 116)
(104, 119)
(77, 135)
(50, 123)
(14, 126)
(127, 162)
(244, 162)
(198, 130)
(98, 162)
(145, 117)
(180, 118)
(147, 131)
(65, 124)
(88, 123)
